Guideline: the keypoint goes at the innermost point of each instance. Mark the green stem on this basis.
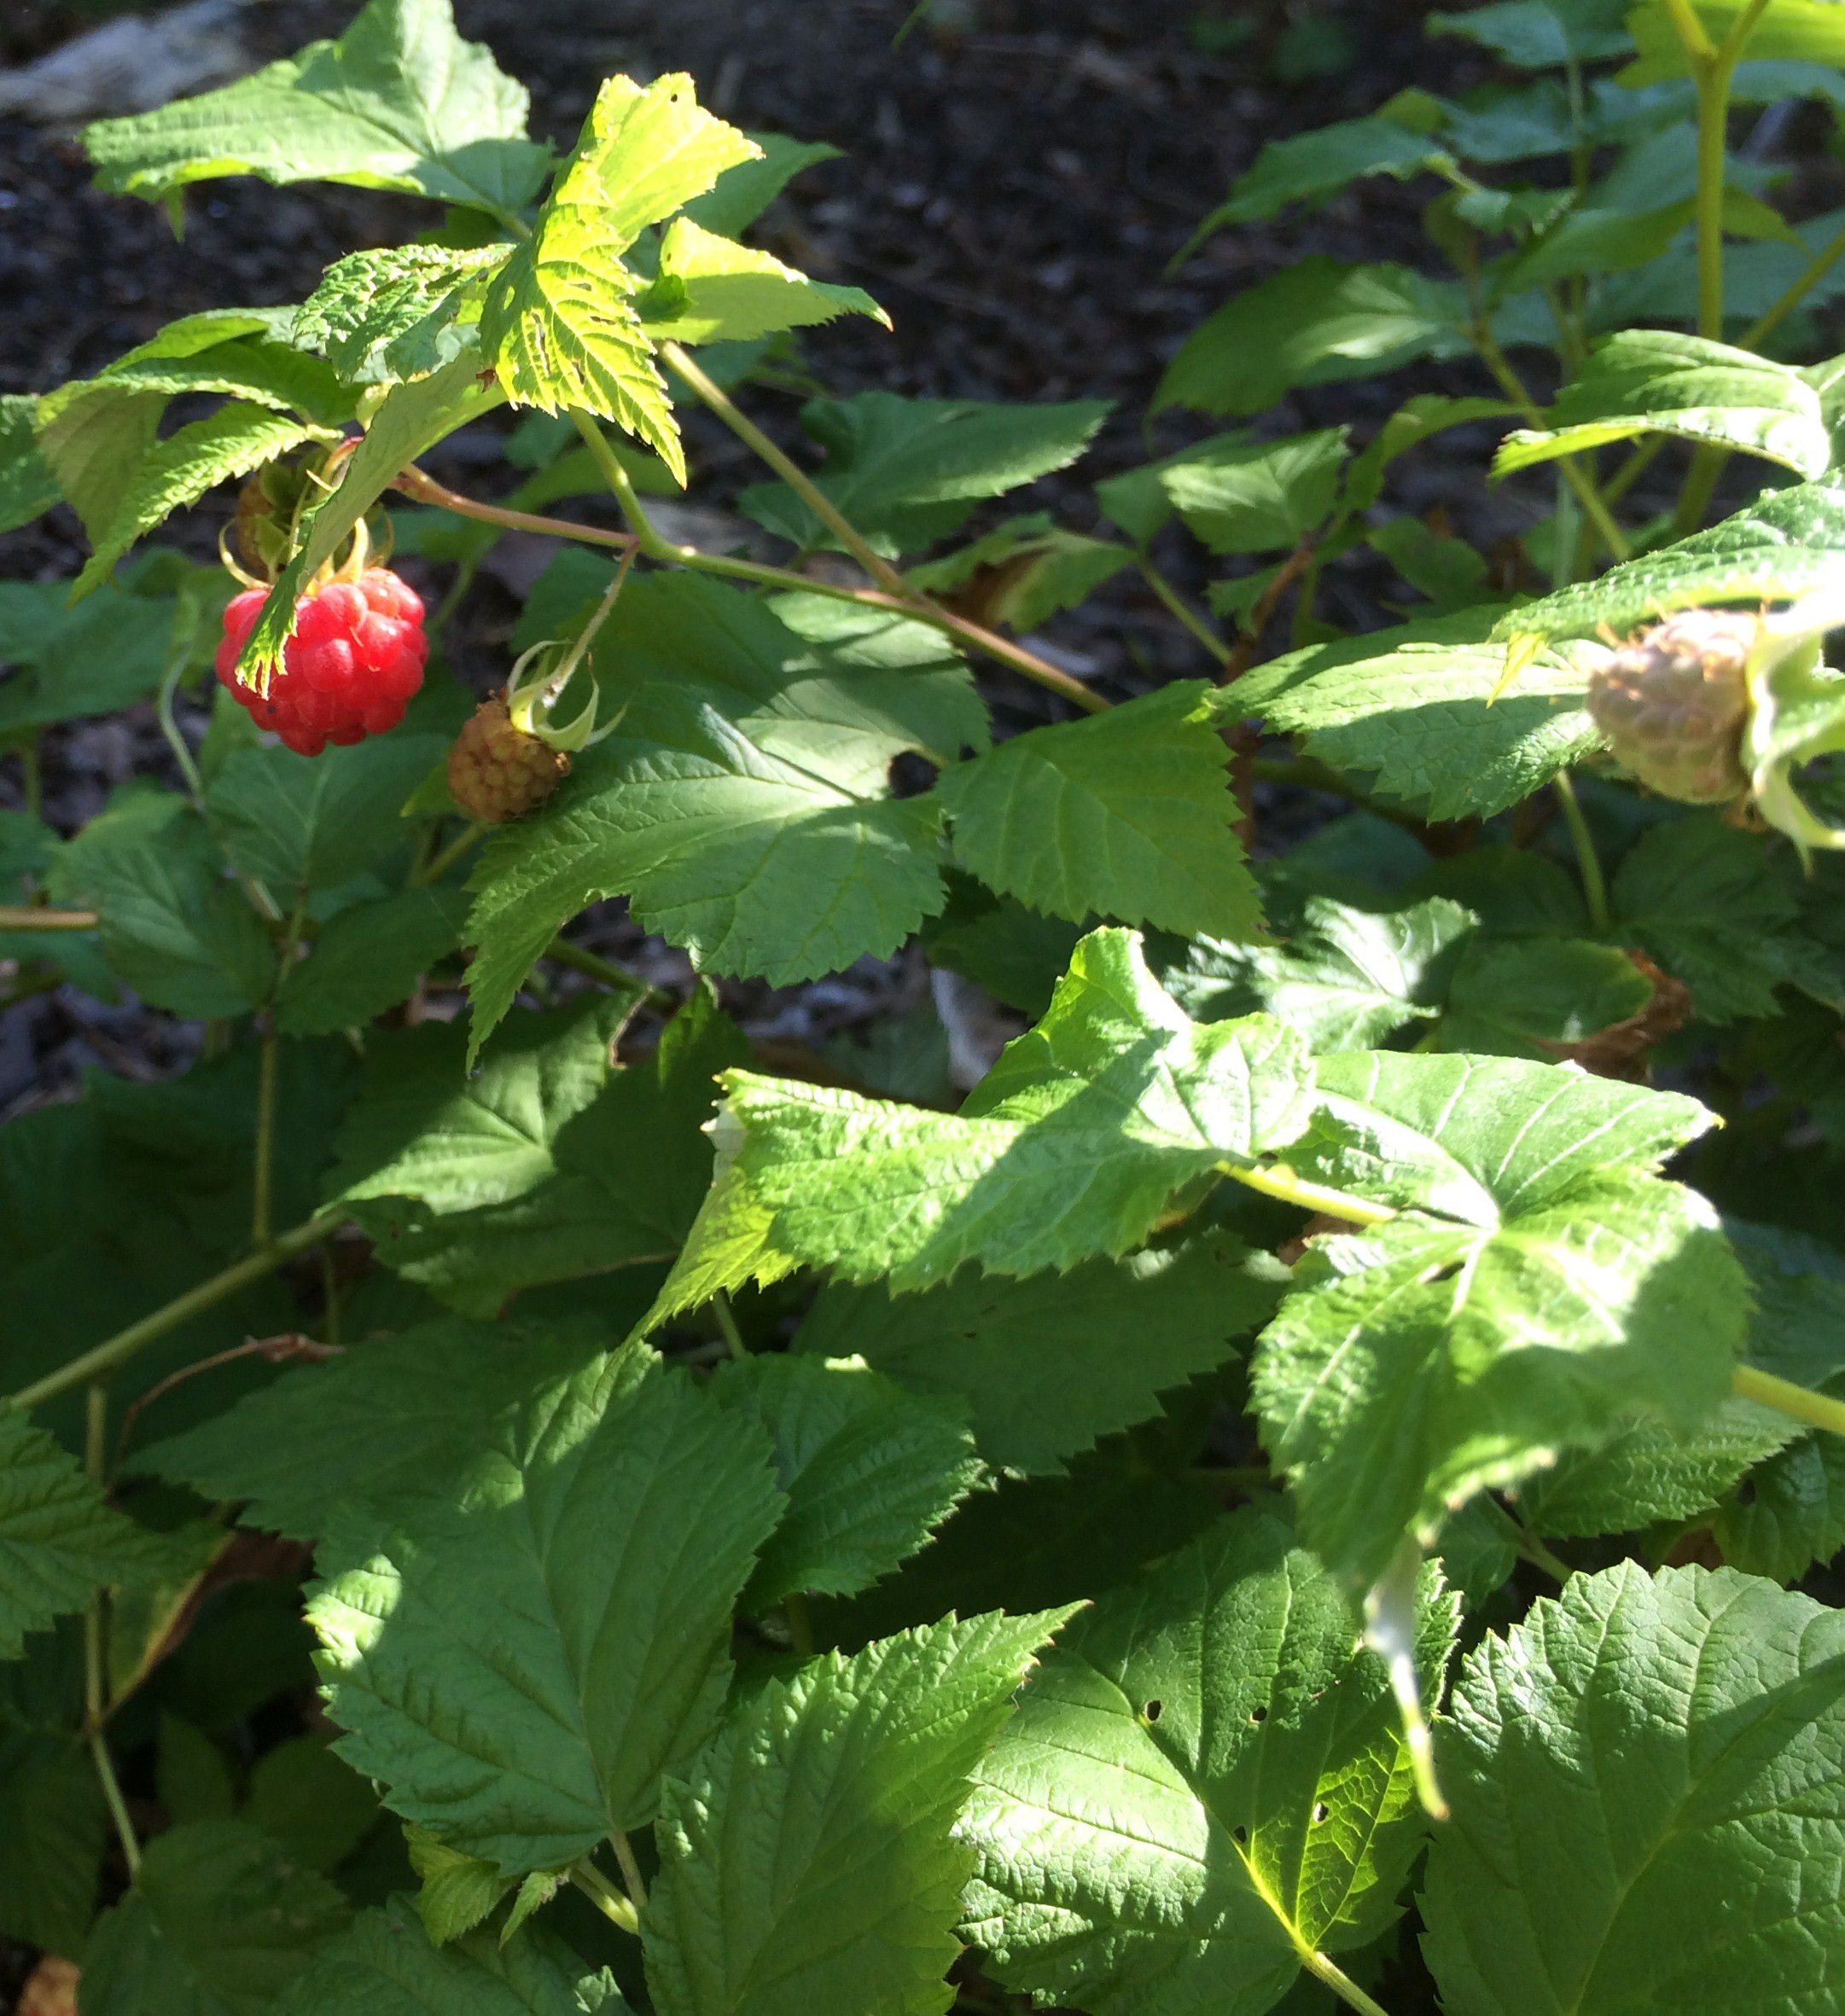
(1632, 469)
(433, 871)
(631, 1869)
(119, 1349)
(1177, 606)
(262, 1222)
(1340, 1982)
(32, 917)
(1812, 273)
(1708, 464)
(907, 602)
(617, 978)
(605, 1896)
(96, 1443)
(733, 1338)
(799, 1625)
(1749, 1382)
(1524, 1541)
(1277, 1180)
(1588, 862)
(1487, 345)
(427, 490)
(163, 707)
(1305, 597)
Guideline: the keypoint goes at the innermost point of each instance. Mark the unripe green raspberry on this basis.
(1672, 701)
(497, 772)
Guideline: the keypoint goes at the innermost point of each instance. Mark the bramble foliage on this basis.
(1308, 1455)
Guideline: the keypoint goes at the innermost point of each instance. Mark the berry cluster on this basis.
(497, 772)
(1673, 702)
(355, 659)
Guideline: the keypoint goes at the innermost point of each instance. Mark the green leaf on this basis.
(908, 472)
(396, 312)
(1786, 543)
(1015, 955)
(869, 1470)
(218, 1924)
(1541, 34)
(1039, 1364)
(27, 487)
(807, 1860)
(1315, 322)
(88, 444)
(526, 1654)
(384, 1964)
(172, 928)
(1414, 706)
(1416, 421)
(1800, 31)
(1070, 1147)
(70, 663)
(560, 323)
(308, 1801)
(369, 958)
(1448, 571)
(1714, 907)
(1565, 1292)
(1023, 571)
(1658, 381)
(1129, 812)
(744, 802)
(359, 1430)
(221, 353)
(712, 290)
(747, 189)
(53, 1825)
(399, 101)
(1347, 978)
(1255, 496)
(1590, 242)
(1535, 998)
(458, 1893)
(315, 823)
(1632, 1826)
(1205, 1781)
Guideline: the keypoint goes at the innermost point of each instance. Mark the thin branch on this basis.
(1588, 862)
(631, 1869)
(733, 1338)
(35, 917)
(414, 483)
(1177, 606)
(604, 1896)
(1818, 1410)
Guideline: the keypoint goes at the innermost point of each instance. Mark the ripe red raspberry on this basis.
(1673, 702)
(355, 659)
(497, 772)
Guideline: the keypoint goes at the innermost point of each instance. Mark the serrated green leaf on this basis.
(458, 1891)
(1347, 978)
(1452, 573)
(302, 1795)
(1636, 1775)
(69, 662)
(1565, 1292)
(869, 1470)
(908, 472)
(806, 1855)
(1412, 423)
(712, 290)
(1536, 997)
(1024, 571)
(1015, 955)
(89, 442)
(397, 312)
(1313, 322)
(1541, 34)
(1258, 497)
(360, 1429)
(1785, 543)
(180, 470)
(1206, 1779)
(745, 189)
(525, 1655)
(1129, 812)
(1661, 381)
(399, 101)
(1045, 1366)
(369, 958)
(742, 804)
(1070, 1147)
(1590, 240)
(218, 1924)
(384, 1964)
(219, 354)
(53, 1824)
(27, 487)
(1414, 706)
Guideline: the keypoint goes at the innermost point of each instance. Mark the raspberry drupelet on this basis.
(355, 659)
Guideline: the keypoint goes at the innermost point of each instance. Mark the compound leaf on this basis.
(1641, 1777)
(1205, 1779)
(807, 1860)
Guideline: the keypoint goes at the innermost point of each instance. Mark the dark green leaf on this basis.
(369, 958)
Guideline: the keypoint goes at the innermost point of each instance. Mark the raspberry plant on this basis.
(1324, 1465)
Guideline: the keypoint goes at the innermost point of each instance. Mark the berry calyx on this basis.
(356, 658)
(1673, 700)
(497, 772)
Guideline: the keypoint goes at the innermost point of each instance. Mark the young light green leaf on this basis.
(1661, 381)
(1792, 30)
(908, 472)
(807, 1860)
(1568, 1291)
(27, 487)
(1315, 321)
(743, 804)
(712, 290)
(396, 312)
(1040, 1364)
(1206, 1780)
(1071, 1146)
(1023, 571)
(369, 958)
(1256, 497)
(1128, 812)
(1347, 978)
(92, 443)
(385, 1965)
(1415, 707)
(1631, 1825)
(524, 1654)
(869, 1470)
(399, 101)
(218, 1922)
